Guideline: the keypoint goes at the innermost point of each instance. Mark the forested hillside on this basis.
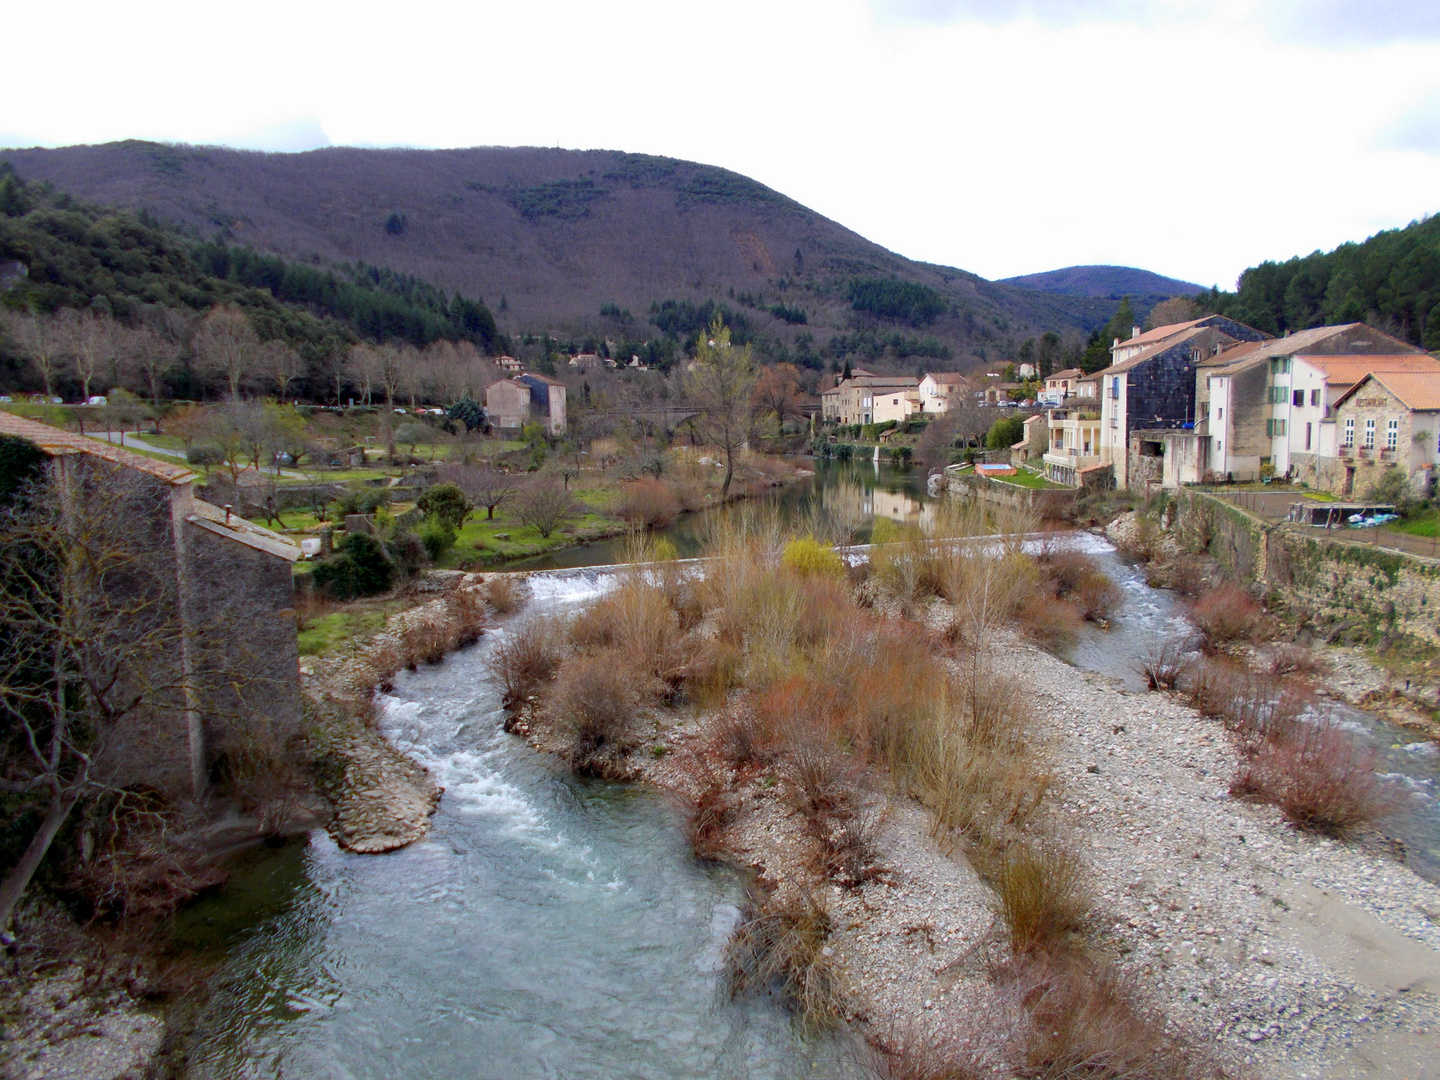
(65, 253)
(1391, 281)
(1110, 282)
(581, 246)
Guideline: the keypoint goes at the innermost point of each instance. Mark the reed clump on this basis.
(781, 943)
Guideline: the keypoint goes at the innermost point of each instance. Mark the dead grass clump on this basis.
(424, 640)
(648, 504)
(927, 1055)
(708, 815)
(1050, 623)
(781, 944)
(742, 739)
(465, 612)
(1166, 664)
(636, 619)
(504, 593)
(1288, 659)
(527, 659)
(1041, 892)
(1090, 1020)
(592, 705)
(1228, 615)
(1321, 779)
(1097, 597)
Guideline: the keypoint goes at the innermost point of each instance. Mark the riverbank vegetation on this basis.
(779, 689)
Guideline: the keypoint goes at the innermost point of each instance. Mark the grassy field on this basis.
(1027, 479)
(1426, 523)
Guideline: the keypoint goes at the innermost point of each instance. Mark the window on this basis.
(1307, 436)
(1222, 413)
(1275, 428)
(1369, 434)
(1114, 386)
(1314, 397)
(1297, 398)
(1350, 431)
(1280, 365)
(1392, 434)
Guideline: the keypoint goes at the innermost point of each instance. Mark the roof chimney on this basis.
(1117, 344)
(1134, 331)
(1287, 331)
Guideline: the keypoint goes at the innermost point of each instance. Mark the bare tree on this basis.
(226, 346)
(88, 599)
(280, 365)
(151, 357)
(543, 505)
(91, 340)
(719, 384)
(337, 368)
(483, 485)
(40, 341)
(364, 363)
(777, 391)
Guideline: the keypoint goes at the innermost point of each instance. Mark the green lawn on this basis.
(1426, 524)
(331, 631)
(1028, 479)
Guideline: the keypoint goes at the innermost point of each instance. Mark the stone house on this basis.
(507, 404)
(1033, 443)
(873, 399)
(1389, 420)
(830, 405)
(228, 602)
(1151, 384)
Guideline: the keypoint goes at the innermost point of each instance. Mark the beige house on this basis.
(547, 400)
(1063, 385)
(1074, 442)
(1389, 420)
(941, 390)
(830, 404)
(507, 404)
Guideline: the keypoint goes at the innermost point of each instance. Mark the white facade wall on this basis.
(1113, 441)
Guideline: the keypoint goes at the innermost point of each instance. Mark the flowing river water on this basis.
(552, 927)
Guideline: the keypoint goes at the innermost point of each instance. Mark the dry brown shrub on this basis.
(1320, 777)
(1066, 568)
(781, 944)
(1097, 597)
(649, 504)
(742, 739)
(1252, 704)
(592, 705)
(1090, 1020)
(708, 814)
(1164, 667)
(918, 1054)
(1050, 623)
(527, 660)
(310, 605)
(1227, 615)
(504, 593)
(1288, 659)
(465, 612)
(1041, 891)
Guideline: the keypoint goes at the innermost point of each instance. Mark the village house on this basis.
(1389, 420)
(1033, 442)
(583, 362)
(830, 405)
(1073, 433)
(940, 389)
(1062, 385)
(509, 365)
(232, 610)
(507, 404)
(874, 399)
(547, 401)
(1150, 386)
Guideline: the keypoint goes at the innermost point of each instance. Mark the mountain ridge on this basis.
(550, 237)
(1110, 282)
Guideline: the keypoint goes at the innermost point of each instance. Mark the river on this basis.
(552, 927)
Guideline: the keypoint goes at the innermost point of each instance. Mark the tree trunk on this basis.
(19, 876)
(729, 472)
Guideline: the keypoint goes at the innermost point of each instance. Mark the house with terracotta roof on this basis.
(1150, 387)
(1389, 420)
(231, 605)
(940, 390)
(874, 399)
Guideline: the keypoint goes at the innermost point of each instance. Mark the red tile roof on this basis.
(56, 443)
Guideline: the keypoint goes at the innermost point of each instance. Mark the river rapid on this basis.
(553, 927)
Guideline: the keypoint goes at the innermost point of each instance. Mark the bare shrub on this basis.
(1041, 892)
(544, 506)
(1050, 623)
(1227, 615)
(709, 813)
(1166, 663)
(592, 705)
(1088, 1019)
(917, 1054)
(1287, 659)
(742, 738)
(649, 504)
(1065, 569)
(504, 593)
(527, 659)
(1321, 779)
(311, 605)
(781, 943)
(465, 612)
(1097, 597)
(1252, 704)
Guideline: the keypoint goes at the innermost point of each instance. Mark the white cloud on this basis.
(991, 144)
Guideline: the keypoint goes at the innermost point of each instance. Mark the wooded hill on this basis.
(57, 251)
(1109, 282)
(1391, 281)
(580, 244)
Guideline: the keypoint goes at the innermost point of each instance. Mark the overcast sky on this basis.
(1189, 137)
